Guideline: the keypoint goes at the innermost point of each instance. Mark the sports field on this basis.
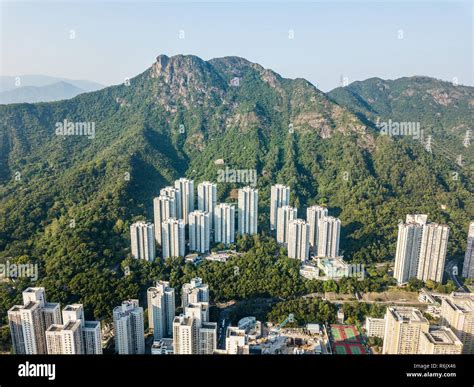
(345, 340)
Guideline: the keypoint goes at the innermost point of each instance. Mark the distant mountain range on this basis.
(41, 88)
(444, 111)
(184, 116)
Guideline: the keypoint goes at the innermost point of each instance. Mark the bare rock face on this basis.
(160, 64)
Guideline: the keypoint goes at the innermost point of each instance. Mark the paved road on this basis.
(454, 278)
(222, 329)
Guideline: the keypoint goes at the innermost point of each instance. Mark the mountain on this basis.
(31, 94)
(41, 88)
(444, 110)
(67, 201)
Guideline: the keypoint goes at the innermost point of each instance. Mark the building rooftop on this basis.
(71, 324)
(55, 328)
(441, 336)
(405, 314)
(72, 307)
(183, 320)
(463, 302)
(51, 305)
(16, 308)
(31, 305)
(91, 324)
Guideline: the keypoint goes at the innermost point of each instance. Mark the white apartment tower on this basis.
(194, 292)
(28, 322)
(161, 309)
(175, 194)
(408, 251)
(313, 217)
(224, 223)
(32, 322)
(284, 215)
(164, 207)
(92, 336)
(403, 329)
(434, 243)
(207, 199)
(298, 239)
(27, 329)
(65, 339)
(329, 232)
(173, 234)
(186, 190)
(129, 328)
(457, 313)
(185, 335)
(468, 267)
(73, 312)
(248, 210)
(142, 237)
(199, 231)
(51, 314)
(236, 341)
(193, 335)
(440, 341)
(280, 196)
(16, 330)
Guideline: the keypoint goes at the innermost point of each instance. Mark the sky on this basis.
(321, 41)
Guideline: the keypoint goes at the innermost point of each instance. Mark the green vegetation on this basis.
(304, 310)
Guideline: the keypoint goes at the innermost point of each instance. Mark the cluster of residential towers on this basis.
(176, 220)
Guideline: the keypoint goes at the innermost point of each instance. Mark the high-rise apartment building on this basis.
(175, 194)
(457, 313)
(161, 309)
(195, 292)
(92, 336)
(403, 329)
(248, 211)
(313, 216)
(186, 191)
(32, 322)
(224, 223)
(193, 335)
(28, 322)
(279, 197)
(164, 207)
(199, 231)
(408, 250)
(142, 236)
(173, 234)
(285, 214)
(236, 341)
(439, 341)
(421, 249)
(468, 266)
(329, 233)
(298, 239)
(434, 244)
(207, 199)
(65, 339)
(129, 328)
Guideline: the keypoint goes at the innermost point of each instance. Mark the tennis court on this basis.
(346, 340)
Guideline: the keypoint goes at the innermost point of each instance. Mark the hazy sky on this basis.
(356, 39)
